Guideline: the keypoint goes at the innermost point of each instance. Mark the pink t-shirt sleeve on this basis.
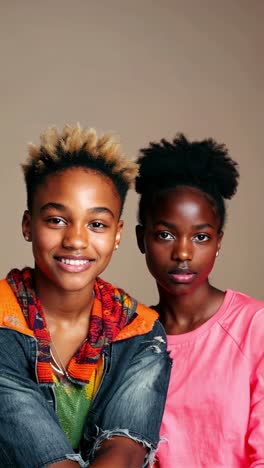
(255, 433)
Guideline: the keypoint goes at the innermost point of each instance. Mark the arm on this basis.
(120, 452)
(64, 464)
(255, 435)
(30, 434)
(130, 403)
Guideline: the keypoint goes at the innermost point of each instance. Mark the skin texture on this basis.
(180, 241)
(75, 213)
(75, 216)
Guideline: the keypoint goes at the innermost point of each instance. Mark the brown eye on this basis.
(201, 237)
(165, 235)
(97, 225)
(56, 221)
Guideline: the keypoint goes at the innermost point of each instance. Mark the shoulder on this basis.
(124, 299)
(239, 304)
(144, 321)
(246, 300)
(11, 315)
(243, 320)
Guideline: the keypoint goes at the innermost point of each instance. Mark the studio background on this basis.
(144, 69)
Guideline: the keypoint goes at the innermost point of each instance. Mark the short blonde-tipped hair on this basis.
(77, 147)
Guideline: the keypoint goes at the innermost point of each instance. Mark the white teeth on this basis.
(68, 261)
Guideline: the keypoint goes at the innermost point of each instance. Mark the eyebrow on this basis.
(60, 207)
(165, 223)
(56, 206)
(173, 226)
(203, 226)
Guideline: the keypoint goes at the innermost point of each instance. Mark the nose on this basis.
(182, 250)
(75, 237)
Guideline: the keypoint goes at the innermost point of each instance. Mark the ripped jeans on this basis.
(129, 402)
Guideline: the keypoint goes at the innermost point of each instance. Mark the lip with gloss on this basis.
(74, 264)
(182, 275)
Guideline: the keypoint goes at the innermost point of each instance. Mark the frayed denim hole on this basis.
(103, 435)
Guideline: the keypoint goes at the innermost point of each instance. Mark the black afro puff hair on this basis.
(204, 164)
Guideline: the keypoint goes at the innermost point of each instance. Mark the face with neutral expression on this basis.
(74, 227)
(180, 240)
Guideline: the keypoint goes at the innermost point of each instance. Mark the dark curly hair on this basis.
(204, 164)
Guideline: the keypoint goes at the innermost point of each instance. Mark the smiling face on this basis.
(74, 227)
(180, 240)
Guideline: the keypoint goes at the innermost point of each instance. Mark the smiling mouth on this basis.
(70, 261)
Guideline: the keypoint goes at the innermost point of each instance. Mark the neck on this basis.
(185, 312)
(67, 315)
(61, 305)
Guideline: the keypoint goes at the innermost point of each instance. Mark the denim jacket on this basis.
(129, 402)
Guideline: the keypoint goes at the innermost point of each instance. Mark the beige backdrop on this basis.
(144, 69)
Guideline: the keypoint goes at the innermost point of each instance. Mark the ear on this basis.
(140, 238)
(119, 230)
(26, 226)
(220, 237)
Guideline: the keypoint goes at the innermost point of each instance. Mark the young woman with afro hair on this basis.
(214, 414)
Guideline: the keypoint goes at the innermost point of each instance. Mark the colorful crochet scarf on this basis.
(112, 310)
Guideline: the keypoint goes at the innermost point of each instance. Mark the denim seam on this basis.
(68, 456)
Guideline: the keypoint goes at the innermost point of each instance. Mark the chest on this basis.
(65, 343)
(206, 381)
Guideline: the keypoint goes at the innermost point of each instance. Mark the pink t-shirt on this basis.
(214, 415)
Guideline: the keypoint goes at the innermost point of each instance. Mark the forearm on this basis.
(120, 452)
(64, 464)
